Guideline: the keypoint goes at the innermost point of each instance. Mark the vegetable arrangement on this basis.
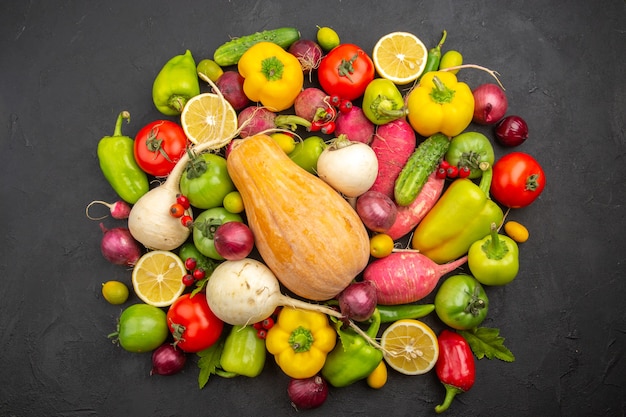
(314, 238)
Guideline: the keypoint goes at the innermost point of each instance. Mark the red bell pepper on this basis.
(455, 366)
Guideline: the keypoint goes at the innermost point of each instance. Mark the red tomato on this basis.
(193, 324)
(158, 146)
(518, 180)
(346, 71)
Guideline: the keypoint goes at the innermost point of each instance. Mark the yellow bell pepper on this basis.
(440, 104)
(300, 341)
(272, 76)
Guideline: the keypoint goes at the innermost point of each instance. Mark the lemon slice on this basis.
(208, 118)
(400, 57)
(157, 278)
(410, 347)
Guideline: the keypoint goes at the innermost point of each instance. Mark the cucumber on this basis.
(230, 52)
(421, 164)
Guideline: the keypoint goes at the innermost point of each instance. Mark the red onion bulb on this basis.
(308, 392)
(511, 131)
(233, 240)
(358, 300)
(308, 52)
(376, 210)
(490, 104)
(119, 247)
(167, 360)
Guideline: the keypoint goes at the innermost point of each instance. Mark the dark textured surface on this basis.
(69, 67)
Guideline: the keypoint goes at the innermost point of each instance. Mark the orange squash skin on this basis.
(306, 232)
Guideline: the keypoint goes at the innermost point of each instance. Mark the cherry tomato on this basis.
(194, 326)
(346, 71)
(518, 180)
(142, 328)
(158, 146)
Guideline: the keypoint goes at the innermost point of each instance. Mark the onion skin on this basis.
(377, 211)
(308, 52)
(233, 241)
(307, 393)
(490, 104)
(358, 301)
(230, 85)
(511, 131)
(119, 247)
(167, 360)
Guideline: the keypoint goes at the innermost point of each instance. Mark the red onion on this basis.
(511, 131)
(167, 360)
(358, 300)
(230, 84)
(119, 247)
(308, 392)
(308, 52)
(490, 104)
(233, 240)
(376, 210)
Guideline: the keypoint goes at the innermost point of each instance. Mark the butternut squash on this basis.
(306, 233)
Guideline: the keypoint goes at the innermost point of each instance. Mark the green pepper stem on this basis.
(451, 392)
(495, 248)
(177, 102)
(485, 181)
(385, 108)
(291, 122)
(301, 340)
(441, 93)
(124, 115)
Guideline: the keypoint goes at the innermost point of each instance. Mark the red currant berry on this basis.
(335, 100)
(261, 333)
(452, 171)
(190, 264)
(441, 173)
(188, 280)
(183, 201)
(267, 323)
(258, 325)
(198, 273)
(186, 221)
(464, 172)
(177, 210)
(328, 128)
(444, 164)
(345, 106)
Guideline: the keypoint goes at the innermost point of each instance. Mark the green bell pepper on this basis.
(383, 102)
(117, 162)
(494, 260)
(175, 84)
(243, 352)
(472, 150)
(354, 358)
(458, 219)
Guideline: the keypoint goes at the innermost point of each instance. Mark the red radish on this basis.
(408, 217)
(119, 210)
(119, 247)
(393, 144)
(406, 276)
(253, 120)
(308, 101)
(230, 84)
(355, 126)
(308, 52)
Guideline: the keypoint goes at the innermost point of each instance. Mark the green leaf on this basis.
(209, 362)
(486, 342)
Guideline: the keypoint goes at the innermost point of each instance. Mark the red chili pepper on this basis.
(455, 366)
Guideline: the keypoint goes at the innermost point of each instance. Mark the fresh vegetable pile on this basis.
(272, 216)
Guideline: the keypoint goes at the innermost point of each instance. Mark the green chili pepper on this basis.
(354, 358)
(383, 102)
(472, 150)
(176, 83)
(117, 162)
(458, 219)
(434, 56)
(243, 352)
(389, 314)
(494, 260)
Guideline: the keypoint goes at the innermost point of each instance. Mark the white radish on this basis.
(349, 167)
(247, 291)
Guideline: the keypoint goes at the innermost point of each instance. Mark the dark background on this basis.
(69, 67)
